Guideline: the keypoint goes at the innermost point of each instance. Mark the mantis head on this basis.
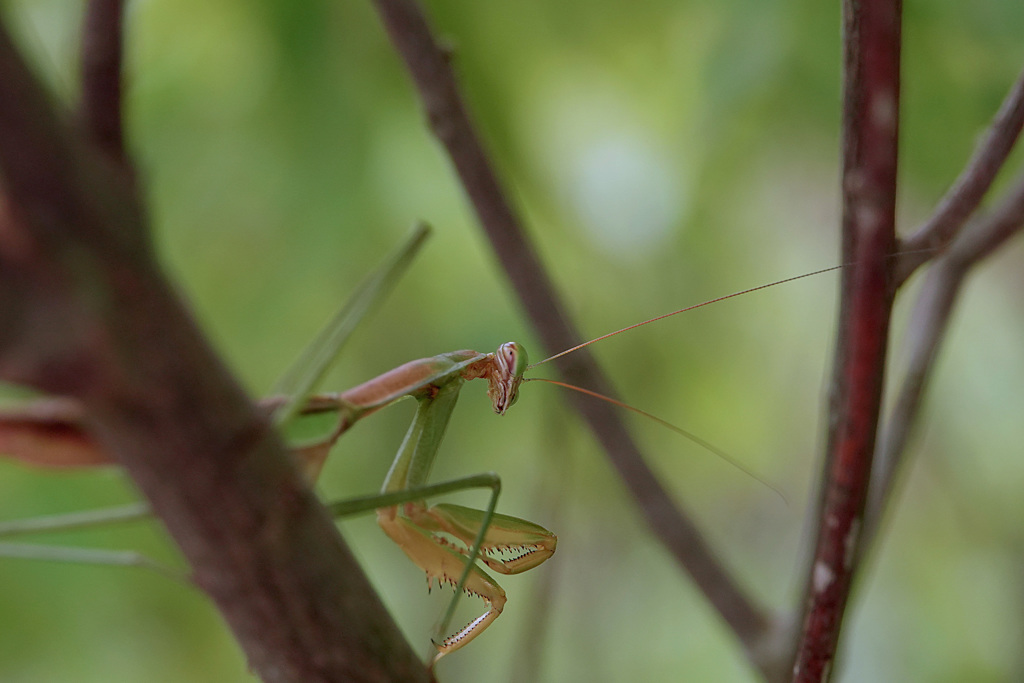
(510, 362)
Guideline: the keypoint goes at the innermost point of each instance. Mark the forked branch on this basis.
(848, 526)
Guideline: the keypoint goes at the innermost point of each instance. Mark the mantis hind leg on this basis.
(94, 556)
(80, 520)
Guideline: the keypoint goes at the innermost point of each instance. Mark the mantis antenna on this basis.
(678, 430)
(684, 310)
(714, 301)
(706, 445)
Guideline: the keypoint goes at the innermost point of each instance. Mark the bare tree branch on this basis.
(981, 239)
(929, 324)
(85, 312)
(964, 197)
(102, 49)
(871, 36)
(430, 69)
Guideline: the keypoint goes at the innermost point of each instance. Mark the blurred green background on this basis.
(663, 153)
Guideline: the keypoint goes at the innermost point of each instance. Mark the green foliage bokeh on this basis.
(662, 153)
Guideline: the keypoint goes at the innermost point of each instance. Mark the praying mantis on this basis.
(444, 540)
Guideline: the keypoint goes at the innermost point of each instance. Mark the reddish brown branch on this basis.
(86, 313)
(870, 126)
(431, 71)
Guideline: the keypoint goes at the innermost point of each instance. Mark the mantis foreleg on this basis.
(418, 529)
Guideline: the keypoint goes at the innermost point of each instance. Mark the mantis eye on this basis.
(514, 358)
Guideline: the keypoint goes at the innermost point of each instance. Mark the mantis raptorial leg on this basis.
(51, 433)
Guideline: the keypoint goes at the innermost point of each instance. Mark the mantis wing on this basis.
(51, 432)
(298, 382)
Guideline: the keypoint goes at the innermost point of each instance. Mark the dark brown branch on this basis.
(102, 49)
(929, 324)
(871, 37)
(964, 197)
(430, 69)
(86, 313)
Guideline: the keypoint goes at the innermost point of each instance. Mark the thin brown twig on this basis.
(981, 240)
(431, 72)
(970, 187)
(929, 324)
(871, 42)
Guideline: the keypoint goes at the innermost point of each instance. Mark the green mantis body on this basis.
(444, 540)
(506, 544)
